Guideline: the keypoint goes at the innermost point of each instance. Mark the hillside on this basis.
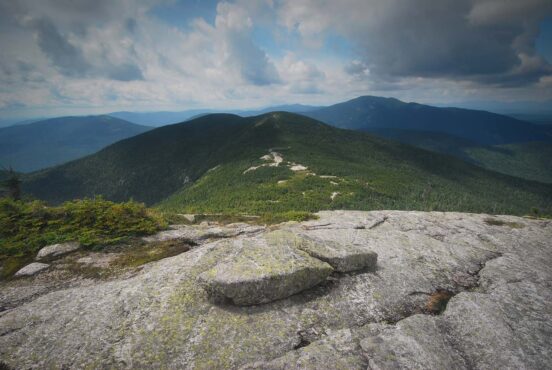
(528, 160)
(368, 112)
(213, 164)
(532, 160)
(46, 143)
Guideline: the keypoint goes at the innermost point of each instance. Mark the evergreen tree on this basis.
(12, 184)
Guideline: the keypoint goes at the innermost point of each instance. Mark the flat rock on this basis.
(342, 257)
(263, 270)
(202, 232)
(32, 269)
(499, 315)
(56, 250)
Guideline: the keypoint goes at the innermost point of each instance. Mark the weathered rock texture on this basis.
(31, 269)
(56, 250)
(497, 268)
(261, 270)
(197, 234)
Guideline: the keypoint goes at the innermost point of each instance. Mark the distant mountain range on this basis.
(279, 162)
(37, 145)
(369, 112)
(489, 140)
(493, 141)
(157, 119)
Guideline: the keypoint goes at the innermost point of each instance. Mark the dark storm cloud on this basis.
(434, 39)
(490, 41)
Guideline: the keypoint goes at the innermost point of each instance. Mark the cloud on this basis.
(301, 76)
(65, 30)
(65, 56)
(358, 69)
(480, 40)
(70, 54)
(233, 24)
(125, 72)
(70, 60)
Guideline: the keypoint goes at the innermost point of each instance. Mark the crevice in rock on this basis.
(435, 305)
(477, 285)
(4, 366)
(7, 332)
(302, 343)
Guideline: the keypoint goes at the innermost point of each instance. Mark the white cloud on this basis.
(88, 56)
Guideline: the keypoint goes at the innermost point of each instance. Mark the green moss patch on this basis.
(138, 256)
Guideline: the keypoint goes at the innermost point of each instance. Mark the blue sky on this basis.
(544, 40)
(87, 57)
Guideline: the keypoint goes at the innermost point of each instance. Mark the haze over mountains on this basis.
(493, 141)
(157, 119)
(278, 162)
(370, 112)
(490, 140)
(37, 145)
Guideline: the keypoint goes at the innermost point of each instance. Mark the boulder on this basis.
(342, 257)
(56, 250)
(32, 269)
(262, 271)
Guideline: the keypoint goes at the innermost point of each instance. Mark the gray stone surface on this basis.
(342, 257)
(203, 232)
(31, 269)
(56, 250)
(500, 316)
(261, 270)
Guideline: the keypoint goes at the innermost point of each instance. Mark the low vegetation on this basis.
(526, 160)
(145, 253)
(25, 227)
(350, 170)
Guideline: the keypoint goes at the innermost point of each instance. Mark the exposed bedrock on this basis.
(450, 290)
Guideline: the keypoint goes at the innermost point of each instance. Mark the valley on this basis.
(275, 185)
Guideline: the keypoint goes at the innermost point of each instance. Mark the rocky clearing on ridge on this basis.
(494, 269)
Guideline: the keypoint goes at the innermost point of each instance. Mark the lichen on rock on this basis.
(498, 315)
(261, 271)
(342, 257)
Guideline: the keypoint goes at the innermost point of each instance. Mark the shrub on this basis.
(25, 227)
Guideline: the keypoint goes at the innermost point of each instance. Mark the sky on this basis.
(61, 57)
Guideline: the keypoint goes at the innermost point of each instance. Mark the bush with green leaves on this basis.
(25, 227)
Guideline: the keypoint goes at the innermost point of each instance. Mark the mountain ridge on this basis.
(37, 145)
(483, 127)
(202, 165)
